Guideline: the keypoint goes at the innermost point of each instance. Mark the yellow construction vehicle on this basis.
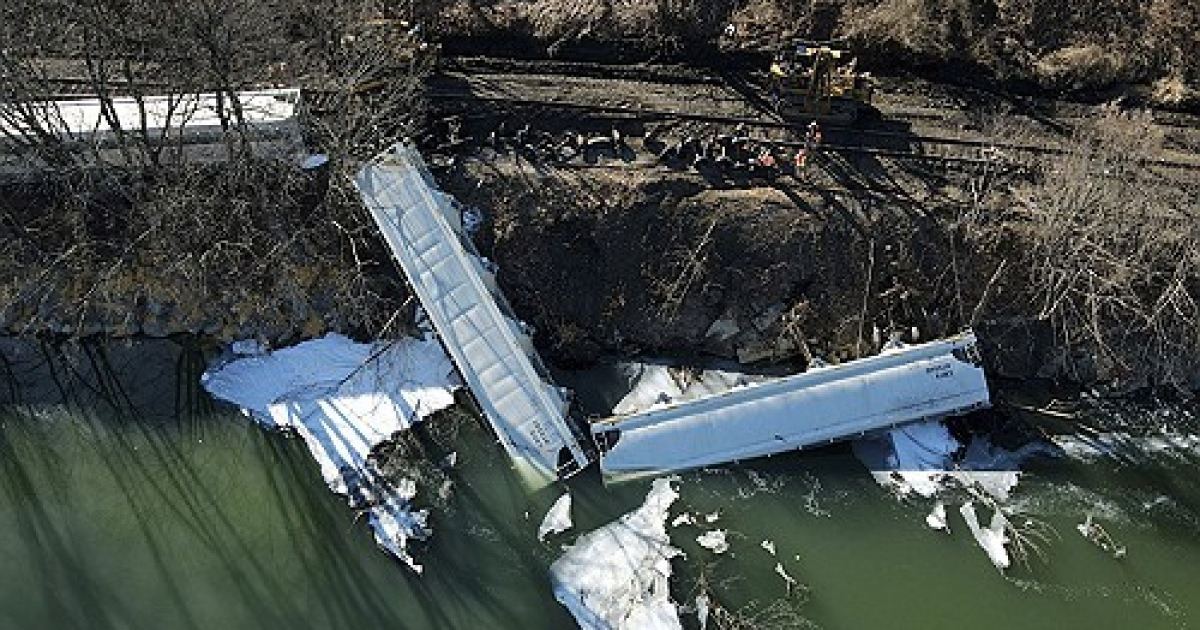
(819, 82)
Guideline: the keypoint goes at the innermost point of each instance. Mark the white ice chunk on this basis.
(558, 518)
(408, 377)
(343, 398)
(395, 523)
(683, 519)
(997, 484)
(937, 518)
(714, 541)
(616, 577)
(991, 538)
(656, 384)
(712, 518)
(917, 459)
(702, 610)
(788, 580)
(768, 546)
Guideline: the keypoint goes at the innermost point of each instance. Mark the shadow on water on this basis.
(73, 412)
(73, 598)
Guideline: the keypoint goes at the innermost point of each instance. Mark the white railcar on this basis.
(822, 405)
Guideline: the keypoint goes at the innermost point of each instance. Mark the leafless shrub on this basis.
(783, 613)
(133, 224)
(1115, 254)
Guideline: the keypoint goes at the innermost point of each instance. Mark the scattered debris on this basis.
(723, 329)
(314, 161)
(558, 518)
(1098, 536)
(248, 348)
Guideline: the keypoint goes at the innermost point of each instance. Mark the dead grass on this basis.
(1058, 44)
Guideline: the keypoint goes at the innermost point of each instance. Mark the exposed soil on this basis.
(624, 248)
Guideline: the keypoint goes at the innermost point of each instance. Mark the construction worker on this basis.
(801, 158)
(812, 139)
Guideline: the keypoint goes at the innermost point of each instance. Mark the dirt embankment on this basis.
(1079, 265)
(1101, 49)
(626, 260)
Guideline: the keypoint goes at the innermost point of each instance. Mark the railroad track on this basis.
(650, 73)
(1061, 118)
(921, 143)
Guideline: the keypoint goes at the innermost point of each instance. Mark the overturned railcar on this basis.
(822, 405)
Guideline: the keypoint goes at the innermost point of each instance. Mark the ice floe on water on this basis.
(703, 608)
(714, 540)
(1126, 446)
(616, 577)
(557, 519)
(991, 538)
(936, 519)
(788, 581)
(344, 398)
(925, 460)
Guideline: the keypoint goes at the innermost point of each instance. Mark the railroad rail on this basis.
(657, 115)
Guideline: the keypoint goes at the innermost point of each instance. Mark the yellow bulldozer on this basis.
(818, 81)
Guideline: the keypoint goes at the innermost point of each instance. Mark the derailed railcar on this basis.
(918, 382)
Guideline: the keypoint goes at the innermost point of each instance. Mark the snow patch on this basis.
(616, 577)
(558, 518)
(659, 384)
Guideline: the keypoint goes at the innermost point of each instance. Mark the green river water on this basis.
(172, 513)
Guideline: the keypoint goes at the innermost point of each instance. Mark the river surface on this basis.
(162, 510)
